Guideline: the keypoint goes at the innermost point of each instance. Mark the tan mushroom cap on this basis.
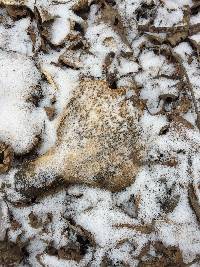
(98, 140)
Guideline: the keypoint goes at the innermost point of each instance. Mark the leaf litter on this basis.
(99, 133)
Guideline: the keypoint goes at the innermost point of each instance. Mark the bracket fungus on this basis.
(98, 142)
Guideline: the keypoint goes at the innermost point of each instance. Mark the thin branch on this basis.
(191, 29)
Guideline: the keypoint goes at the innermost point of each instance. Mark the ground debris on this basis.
(166, 256)
(10, 254)
(6, 157)
(194, 202)
(99, 130)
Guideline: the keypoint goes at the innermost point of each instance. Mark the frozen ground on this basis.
(150, 48)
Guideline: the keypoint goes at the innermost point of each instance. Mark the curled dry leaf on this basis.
(82, 234)
(106, 261)
(179, 123)
(72, 59)
(44, 15)
(164, 130)
(177, 37)
(192, 29)
(184, 74)
(110, 42)
(169, 102)
(49, 78)
(171, 38)
(111, 17)
(108, 61)
(6, 157)
(195, 43)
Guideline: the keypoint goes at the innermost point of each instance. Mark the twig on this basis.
(146, 229)
(191, 29)
(193, 200)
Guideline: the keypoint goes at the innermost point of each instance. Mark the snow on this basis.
(4, 220)
(19, 75)
(20, 121)
(177, 3)
(196, 37)
(112, 224)
(168, 18)
(15, 37)
(195, 19)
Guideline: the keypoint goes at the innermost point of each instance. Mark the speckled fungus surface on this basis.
(98, 140)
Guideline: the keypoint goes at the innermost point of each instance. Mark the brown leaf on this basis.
(44, 15)
(6, 157)
(172, 162)
(15, 225)
(179, 123)
(34, 221)
(17, 12)
(70, 252)
(156, 38)
(165, 257)
(184, 105)
(10, 254)
(170, 203)
(50, 111)
(111, 17)
(72, 59)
